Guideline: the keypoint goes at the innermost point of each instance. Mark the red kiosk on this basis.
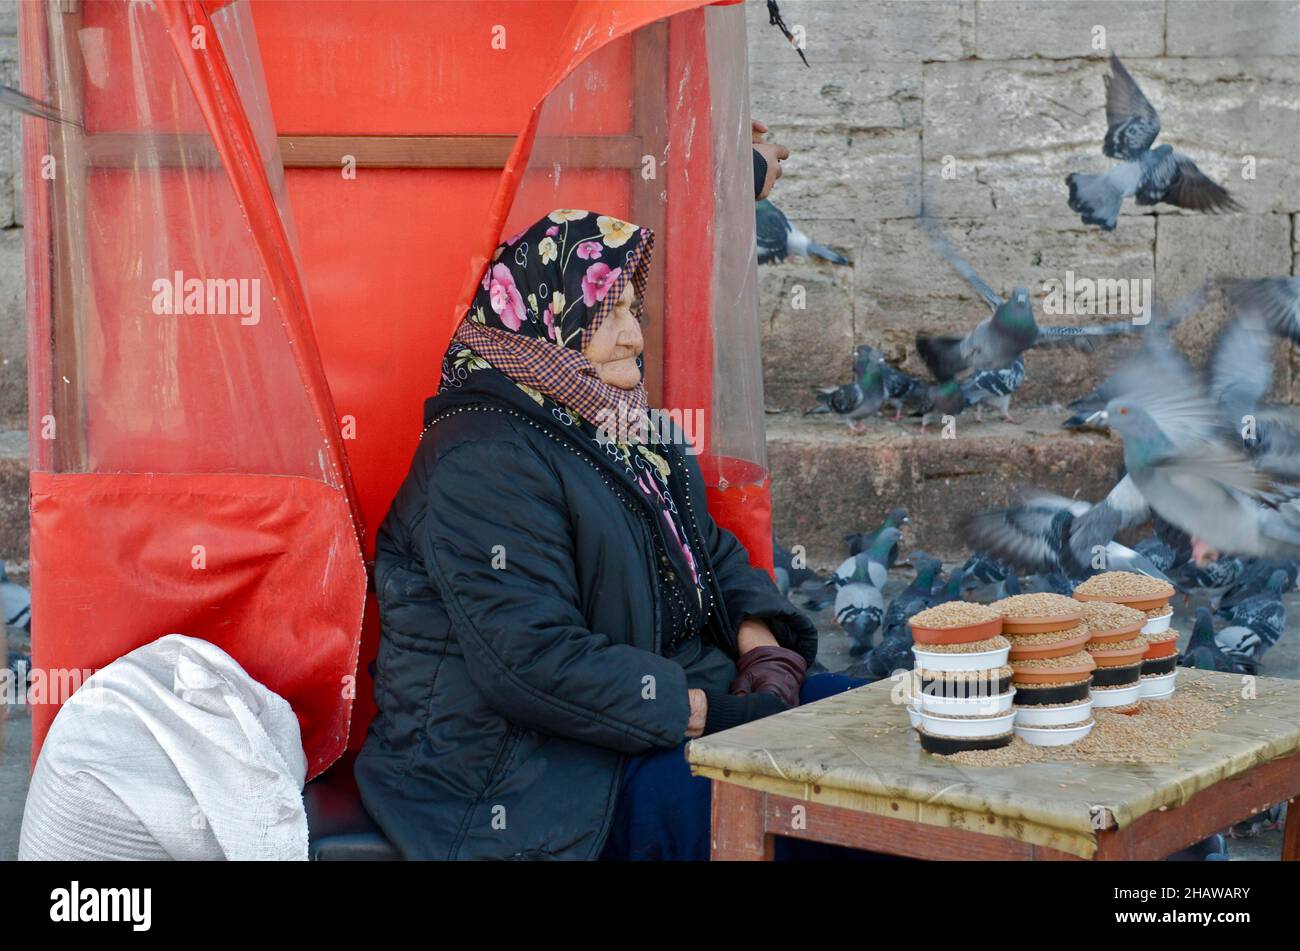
(248, 247)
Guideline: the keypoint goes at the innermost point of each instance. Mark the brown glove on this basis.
(773, 670)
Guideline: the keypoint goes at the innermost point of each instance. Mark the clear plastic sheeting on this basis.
(655, 128)
(187, 474)
(167, 335)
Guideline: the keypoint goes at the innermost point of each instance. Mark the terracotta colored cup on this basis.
(966, 634)
(1161, 649)
(1117, 634)
(1054, 675)
(1043, 651)
(1119, 658)
(1142, 603)
(1040, 624)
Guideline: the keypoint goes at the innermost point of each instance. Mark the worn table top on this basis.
(857, 750)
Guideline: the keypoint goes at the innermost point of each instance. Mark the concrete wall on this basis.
(1010, 94)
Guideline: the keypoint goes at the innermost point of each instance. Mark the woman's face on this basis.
(617, 343)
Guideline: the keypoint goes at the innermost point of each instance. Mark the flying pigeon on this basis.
(855, 401)
(1149, 175)
(1275, 299)
(1002, 336)
(982, 569)
(1199, 483)
(1049, 533)
(778, 239)
(994, 387)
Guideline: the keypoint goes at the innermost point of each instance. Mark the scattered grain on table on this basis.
(1149, 737)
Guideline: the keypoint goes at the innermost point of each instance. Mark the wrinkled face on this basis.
(617, 343)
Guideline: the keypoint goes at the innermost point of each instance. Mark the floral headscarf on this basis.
(547, 291)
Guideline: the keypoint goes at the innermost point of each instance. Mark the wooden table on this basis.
(848, 770)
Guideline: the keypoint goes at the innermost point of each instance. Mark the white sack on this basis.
(170, 752)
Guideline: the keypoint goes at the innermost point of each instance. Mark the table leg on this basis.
(1291, 832)
(737, 830)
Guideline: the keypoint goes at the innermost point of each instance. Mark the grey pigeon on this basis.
(916, 596)
(1052, 534)
(861, 541)
(893, 653)
(1149, 175)
(870, 565)
(1254, 579)
(1275, 299)
(855, 401)
(858, 609)
(1255, 625)
(778, 239)
(938, 399)
(994, 387)
(899, 387)
(1200, 484)
(1212, 578)
(1203, 651)
(1002, 336)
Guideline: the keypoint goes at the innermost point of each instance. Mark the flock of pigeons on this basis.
(1211, 465)
(992, 354)
(1244, 594)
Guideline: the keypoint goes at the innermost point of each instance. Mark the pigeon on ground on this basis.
(916, 596)
(1212, 578)
(1149, 175)
(1156, 552)
(787, 574)
(1255, 625)
(1265, 821)
(982, 570)
(861, 541)
(995, 388)
(938, 399)
(859, 607)
(854, 402)
(893, 653)
(953, 589)
(778, 239)
(1005, 334)
(1050, 582)
(1254, 579)
(868, 566)
(899, 387)
(1203, 651)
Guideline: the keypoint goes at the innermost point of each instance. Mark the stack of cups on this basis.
(1147, 657)
(962, 691)
(1117, 645)
(1051, 667)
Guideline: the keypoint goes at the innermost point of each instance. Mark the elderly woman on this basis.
(559, 611)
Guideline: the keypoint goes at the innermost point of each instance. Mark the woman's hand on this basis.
(699, 713)
(765, 666)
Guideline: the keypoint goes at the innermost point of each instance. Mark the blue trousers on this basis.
(663, 811)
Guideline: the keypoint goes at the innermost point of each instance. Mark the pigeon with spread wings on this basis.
(1148, 175)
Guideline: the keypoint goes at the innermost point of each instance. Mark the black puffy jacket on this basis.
(519, 662)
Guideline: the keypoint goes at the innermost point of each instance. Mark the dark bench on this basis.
(338, 828)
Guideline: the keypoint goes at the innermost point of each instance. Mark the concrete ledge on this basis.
(827, 482)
